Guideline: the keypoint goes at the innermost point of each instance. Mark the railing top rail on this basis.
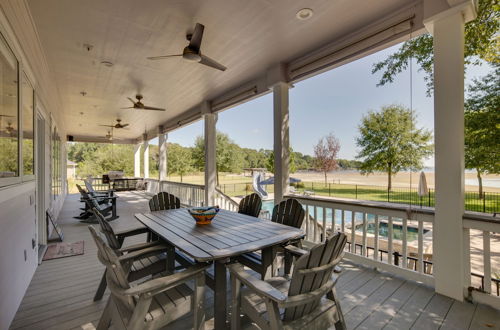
(372, 204)
(227, 197)
(481, 217)
(192, 185)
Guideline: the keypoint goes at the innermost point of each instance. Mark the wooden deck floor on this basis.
(61, 291)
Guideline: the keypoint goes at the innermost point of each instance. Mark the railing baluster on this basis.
(420, 260)
(389, 241)
(307, 222)
(487, 261)
(375, 242)
(315, 239)
(404, 264)
(364, 251)
(323, 239)
(353, 232)
(342, 225)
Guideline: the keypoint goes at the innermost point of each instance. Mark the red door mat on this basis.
(63, 249)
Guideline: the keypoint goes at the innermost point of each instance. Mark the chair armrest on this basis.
(164, 283)
(262, 288)
(143, 253)
(298, 252)
(305, 298)
(140, 246)
(132, 232)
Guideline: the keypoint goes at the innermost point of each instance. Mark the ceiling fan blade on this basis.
(153, 108)
(131, 100)
(124, 125)
(127, 108)
(107, 125)
(197, 36)
(162, 57)
(211, 63)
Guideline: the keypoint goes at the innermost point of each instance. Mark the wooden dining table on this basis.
(229, 235)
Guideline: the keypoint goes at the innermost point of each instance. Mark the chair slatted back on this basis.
(164, 201)
(89, 186)
(115, 270)
(90, 201)
(107, 230)
(250, 205)
(312, 271)
(289, 212)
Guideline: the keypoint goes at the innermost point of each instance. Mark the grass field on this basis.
(239, 185)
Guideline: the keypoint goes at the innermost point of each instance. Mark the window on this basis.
(27, 126)
(9, 118)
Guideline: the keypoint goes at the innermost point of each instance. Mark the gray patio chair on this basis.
(250, 205)
(92, 192)
(307, 301)
(290, 213)
(151, 259)
(151, 304)
(164, 201)
(105, 205)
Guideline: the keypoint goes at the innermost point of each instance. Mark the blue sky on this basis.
(333, 102)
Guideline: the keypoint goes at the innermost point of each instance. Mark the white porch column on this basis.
(281, 141)
(448, 244)
(210, 157)
(137, 160)
(162, 145)
(146, 158)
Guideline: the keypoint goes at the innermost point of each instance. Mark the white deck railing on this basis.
(483, 287)
(405, 248)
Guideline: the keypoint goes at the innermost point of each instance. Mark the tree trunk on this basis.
(389, 178)
(216, 177)
(480, 181)
(325, 179)
(181, 177)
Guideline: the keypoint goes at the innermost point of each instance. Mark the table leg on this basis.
(268, 262)
(170, 258)
(220, 295)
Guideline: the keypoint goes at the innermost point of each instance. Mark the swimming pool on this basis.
(397, 229)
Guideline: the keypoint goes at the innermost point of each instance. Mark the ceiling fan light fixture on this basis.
(304, 14)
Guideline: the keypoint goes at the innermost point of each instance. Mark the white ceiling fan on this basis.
(192, 51)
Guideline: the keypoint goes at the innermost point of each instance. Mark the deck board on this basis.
(61, 291)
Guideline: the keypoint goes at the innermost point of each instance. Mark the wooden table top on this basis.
(230, 233)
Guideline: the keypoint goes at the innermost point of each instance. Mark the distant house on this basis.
(71, 169)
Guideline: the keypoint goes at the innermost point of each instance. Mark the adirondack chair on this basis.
(164, 201)
(87, 213)
(151, 263)
(250, 205)
(104, 208)
(92, 192)
(307, 301)
(289, 212)
(151, 304)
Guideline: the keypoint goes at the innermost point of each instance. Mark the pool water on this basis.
(397, 229)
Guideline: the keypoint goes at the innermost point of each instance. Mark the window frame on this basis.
(16, 179)
(28, 177)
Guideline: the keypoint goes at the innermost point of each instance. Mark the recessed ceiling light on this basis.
(107, 63)
(304, 14)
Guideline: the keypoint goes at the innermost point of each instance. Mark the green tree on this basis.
(270, 161)
(179, 160)
(229, 157)
(482, 126)
(105, 158)
(390, 142)
(482, 42)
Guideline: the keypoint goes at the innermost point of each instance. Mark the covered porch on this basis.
(424, 276)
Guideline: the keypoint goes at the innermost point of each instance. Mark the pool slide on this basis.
(257, 187)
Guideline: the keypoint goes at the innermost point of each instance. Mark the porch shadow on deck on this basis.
(61, 291)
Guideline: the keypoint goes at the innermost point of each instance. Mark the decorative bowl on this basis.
(204, 215)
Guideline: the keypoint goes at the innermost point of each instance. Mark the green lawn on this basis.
(490, 204)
